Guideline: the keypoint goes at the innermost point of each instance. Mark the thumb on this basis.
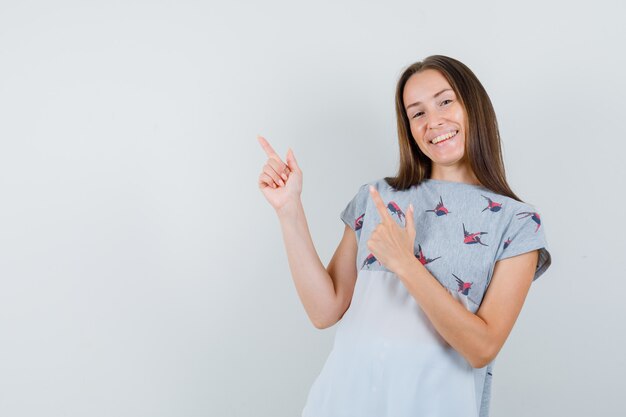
(291, 161)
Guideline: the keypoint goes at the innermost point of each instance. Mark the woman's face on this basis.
(433, 109)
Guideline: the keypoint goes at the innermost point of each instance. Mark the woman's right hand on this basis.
(280, 183)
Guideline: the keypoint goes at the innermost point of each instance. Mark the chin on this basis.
(449, 159)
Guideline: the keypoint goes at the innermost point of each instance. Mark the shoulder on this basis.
(378, 183)
(381, 185)
(513, 205)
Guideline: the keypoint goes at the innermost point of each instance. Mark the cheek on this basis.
(415, 134)
(459, 115)
(416, 130)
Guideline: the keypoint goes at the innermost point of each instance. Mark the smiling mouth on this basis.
(444, 138)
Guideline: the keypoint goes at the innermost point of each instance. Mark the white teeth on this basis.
(444, 137)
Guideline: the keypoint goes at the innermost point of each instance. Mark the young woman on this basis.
(434, 264)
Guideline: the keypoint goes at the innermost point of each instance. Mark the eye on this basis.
(418, 113)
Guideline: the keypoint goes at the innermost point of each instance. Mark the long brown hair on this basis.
(482, 144)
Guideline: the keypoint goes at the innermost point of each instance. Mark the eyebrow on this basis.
(435, 96)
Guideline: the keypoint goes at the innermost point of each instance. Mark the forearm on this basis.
(464, 331)
(313, 283)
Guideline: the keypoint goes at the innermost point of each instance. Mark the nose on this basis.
(434, 120)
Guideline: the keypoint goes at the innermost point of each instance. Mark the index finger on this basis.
(267, 147)
(380, 205)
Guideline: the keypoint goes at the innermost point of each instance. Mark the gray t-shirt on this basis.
(387, 358)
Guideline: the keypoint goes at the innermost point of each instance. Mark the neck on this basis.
(454, 173)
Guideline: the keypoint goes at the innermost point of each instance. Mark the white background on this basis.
(142, 272)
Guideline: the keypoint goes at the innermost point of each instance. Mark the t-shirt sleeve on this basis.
(525, 233)
(354, 212)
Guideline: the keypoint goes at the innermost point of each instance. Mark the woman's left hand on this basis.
(391, 244)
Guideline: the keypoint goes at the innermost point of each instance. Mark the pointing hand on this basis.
(280, 183)
(391, 244)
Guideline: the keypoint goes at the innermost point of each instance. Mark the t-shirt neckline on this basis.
(452, 183)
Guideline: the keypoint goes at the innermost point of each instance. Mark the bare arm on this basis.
(478, 337)
(325, 292)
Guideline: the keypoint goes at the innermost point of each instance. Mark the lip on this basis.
(430, 139)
